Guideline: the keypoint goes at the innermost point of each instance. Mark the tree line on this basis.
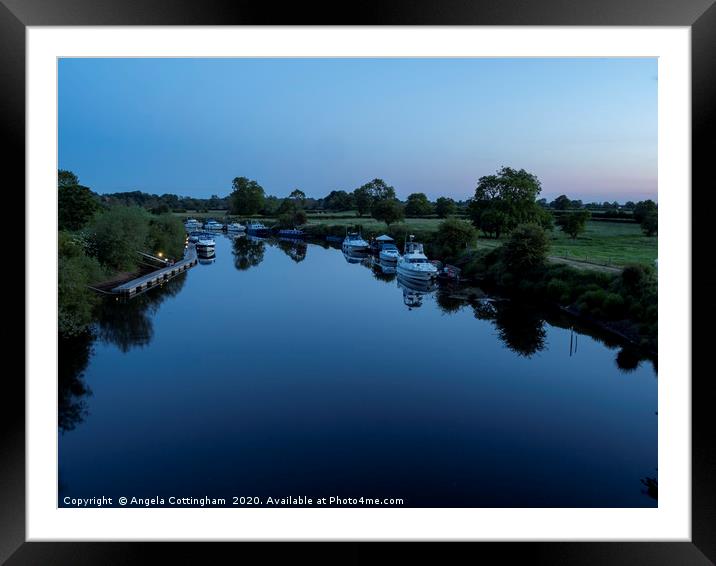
(501, 202)
(98, 239)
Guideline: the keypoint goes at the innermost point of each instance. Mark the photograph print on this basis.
(357, 282)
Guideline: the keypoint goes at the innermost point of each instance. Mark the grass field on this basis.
(604, 243)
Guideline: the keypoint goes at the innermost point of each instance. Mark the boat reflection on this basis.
(206, 259)
(384, 271)
(415, 291)
(355, 256)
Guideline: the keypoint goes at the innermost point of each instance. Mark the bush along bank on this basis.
(624, 303)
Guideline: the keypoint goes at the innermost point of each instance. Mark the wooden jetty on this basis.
(131, 288)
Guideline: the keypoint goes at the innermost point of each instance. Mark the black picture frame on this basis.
(699, 15)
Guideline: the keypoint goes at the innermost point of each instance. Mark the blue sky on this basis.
(585, 127)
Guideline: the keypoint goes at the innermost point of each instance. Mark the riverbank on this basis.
(606, 244)
(623, 303)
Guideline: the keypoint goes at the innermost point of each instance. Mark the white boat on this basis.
(414, 264)
(353, 242)
(389, 253)
(192, 224)
(235, 227)
(205, 244)
(256, 228)
(213, 225)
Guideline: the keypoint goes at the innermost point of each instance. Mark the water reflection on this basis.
(293, 248)
(73, 356)
(231, 404)
(448, 302)
(383, 271)
(248, 252)
(414, 291)
(355, 257)
(128, 323)
(651, 486)
(205, 257)
(628, 359)
(520, 328)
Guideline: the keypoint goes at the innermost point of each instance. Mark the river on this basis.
(283, 370)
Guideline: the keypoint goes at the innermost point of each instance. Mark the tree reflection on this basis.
(448, 302)
(295, 249)
(73, 356)
(651, 486)
(127, 323)
(628, 359)
(248, 252)
(519, 327)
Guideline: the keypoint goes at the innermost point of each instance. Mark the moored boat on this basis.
(256, 228)
(235, 227)
(414, 264)
(449, 273)
(213, 225)
(389, 252)
(192, 224)
(294, 233)
(353, 242)
(205, 244)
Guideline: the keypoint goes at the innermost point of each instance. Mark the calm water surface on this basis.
(285, 370)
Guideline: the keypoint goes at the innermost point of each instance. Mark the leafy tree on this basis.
(366, 196)
(379, 190)
(66, 178)
(75, 206)
(493, 221)
(247, 197)
(642, 208)
(650, 223)
(574, 223)
(298, 196)
(388, 210)
(271, 205)
(75, 272)
(362, 200)
(445, 207)
(561, 203)
(290, 212)
(508, 198)
(339, 201)
(526, 248)
(119, 233)
(292, 218)
(166, 235)
(418, 205)
(453, 236)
